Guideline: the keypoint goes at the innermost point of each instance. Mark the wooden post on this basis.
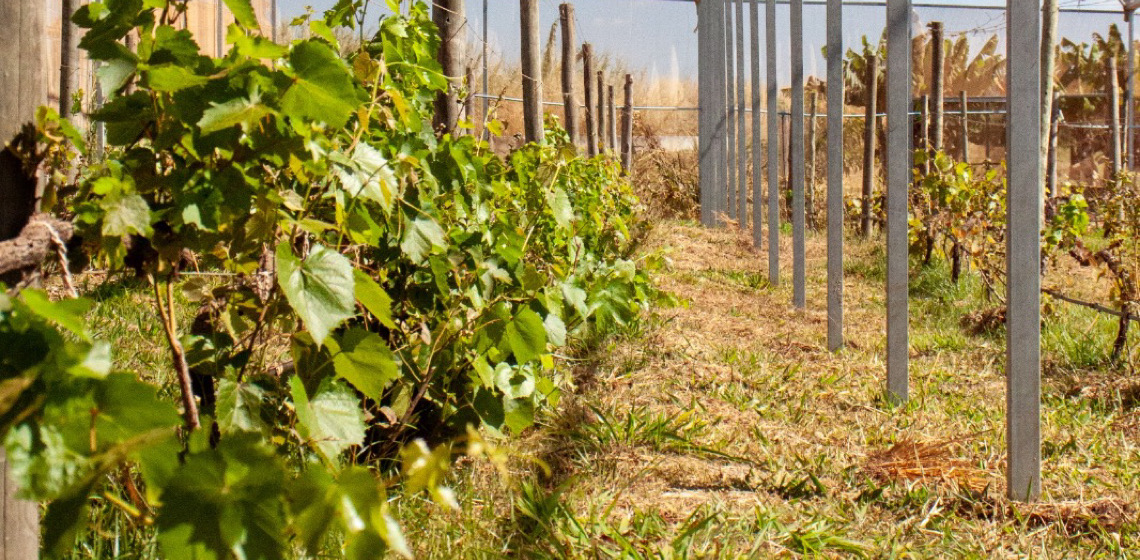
(627, 127)
(870, 130)
(566, 16)
(611, 142)
(964, 112)
(22, 74)
(773, 147)
(924, 128)
(811, 157)
(937, 98)
(450, 16)
(469, 99)
(601, 113)
(69, 58)
(1051, 154)
(532, 71)
(591, 123)
(799, 244)
(1114, 116)
(835, 206)
(898, 187)
(757, 162)
(1023, 319)
(741, 122)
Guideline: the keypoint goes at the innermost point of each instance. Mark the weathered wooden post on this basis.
(773, 93)
(870, 133)
(588, 94)
(450, 16)
(569, 40)
(898, 187)
(937, 96)
(1051, 147)
(924, 128)
(627, 127)
(799, 245)
(741, 122)
(611, 142)
(1114, 115)
(964, 114)
(811, 160)
(24, 88)
(469, 99)
(601, 110)
(532, 71)
(835, 206)
(1023, 320)
(220, 27)
(757, 162)
(69, 58)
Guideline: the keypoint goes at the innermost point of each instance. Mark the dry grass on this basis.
(725, 429)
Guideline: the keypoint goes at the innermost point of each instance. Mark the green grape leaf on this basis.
(114, 74)
(560, 205)
(373, 298)
(67, 313)
(367, 175)
(555, 329)
(422, 236)
(366, 362)
(322, 89)
(331, 419)
(239, 407)
(518, 414)
(243, 13)
(319, 288)
(125, 215)
(526, 336)
(172, 77)
(236, 112)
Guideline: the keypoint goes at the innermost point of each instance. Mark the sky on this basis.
(659, 36)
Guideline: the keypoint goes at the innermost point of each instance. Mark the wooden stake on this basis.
(964, 111)
(1114, 116)
(532, 71)
(566, 16)
(811, 157)
(591, 123)
(937, 78)
(601, 113)
(627, 127)
(611, 141)
(451, 18)
(69, 57)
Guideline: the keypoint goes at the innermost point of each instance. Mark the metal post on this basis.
(712, 112)
(757, 164)
(835, 91)
(1023, 320)
(799, 248)
(869, 141)
(741, 122)
(219, 29)
(898, 184)
(730, 96)
(773, 148)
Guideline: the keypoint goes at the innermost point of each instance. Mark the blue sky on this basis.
(658, 35)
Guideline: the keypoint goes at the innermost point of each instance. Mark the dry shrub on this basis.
(927, 461)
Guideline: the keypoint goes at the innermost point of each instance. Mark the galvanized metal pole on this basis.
(773, 149)
(730, 93)
(219, 29)
(898, 184)
(799, 245)
(722, 132)
(757, 163)
(835, 91)
(706, 115)
(741, 122)
(1023, 320)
